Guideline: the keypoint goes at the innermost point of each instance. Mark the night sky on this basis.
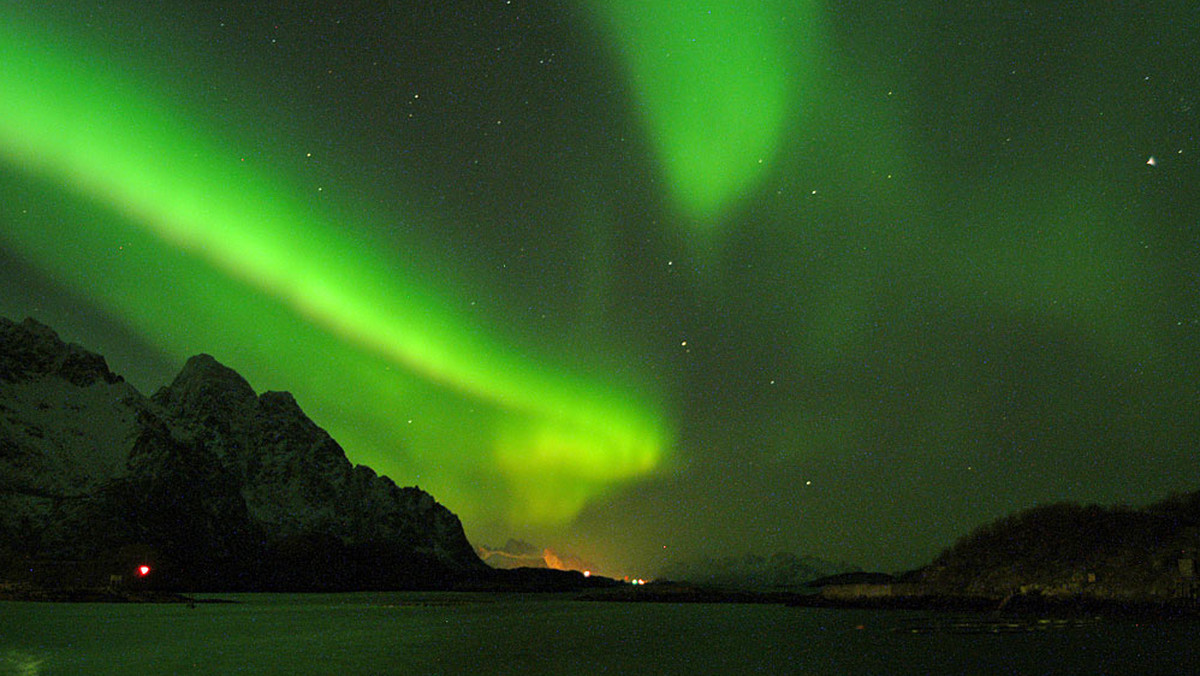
(642, 280)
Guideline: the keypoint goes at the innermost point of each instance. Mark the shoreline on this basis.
(939, 603)
(86, 595)
(1018, 606)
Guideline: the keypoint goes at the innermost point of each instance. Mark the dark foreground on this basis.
(506, 633)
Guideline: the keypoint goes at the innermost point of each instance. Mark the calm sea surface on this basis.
(406, 633)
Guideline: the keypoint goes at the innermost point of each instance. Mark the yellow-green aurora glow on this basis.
(197, 248)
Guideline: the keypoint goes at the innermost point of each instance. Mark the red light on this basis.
(143, 570)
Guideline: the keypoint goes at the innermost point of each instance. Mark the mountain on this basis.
(221, 487)
(514, 554)
(1067, 550)
(520, 554)
(752, 572)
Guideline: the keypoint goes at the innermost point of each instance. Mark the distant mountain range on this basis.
(207, 482)
(520, 554)
(214, 487)
(753, 572)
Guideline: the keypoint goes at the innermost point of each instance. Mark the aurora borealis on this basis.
(641, 280)
(715, 85)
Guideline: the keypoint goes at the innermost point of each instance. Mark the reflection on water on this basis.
(992, 624)
(544, 634)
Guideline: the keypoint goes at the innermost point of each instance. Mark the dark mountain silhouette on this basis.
(1071, 550)
(213, 485)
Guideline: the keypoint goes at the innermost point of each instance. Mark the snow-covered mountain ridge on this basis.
(207, 473)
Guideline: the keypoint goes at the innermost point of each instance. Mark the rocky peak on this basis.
(206, 386)
(209, 472)
(31, 349)
(35, 329)
(280, 404)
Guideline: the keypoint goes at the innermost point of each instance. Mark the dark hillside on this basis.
(1067, 549)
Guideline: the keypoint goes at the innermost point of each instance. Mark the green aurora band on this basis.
(917, 251)
(142, 210)
(718, 85)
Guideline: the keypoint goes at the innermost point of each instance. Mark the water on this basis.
(406, 633)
